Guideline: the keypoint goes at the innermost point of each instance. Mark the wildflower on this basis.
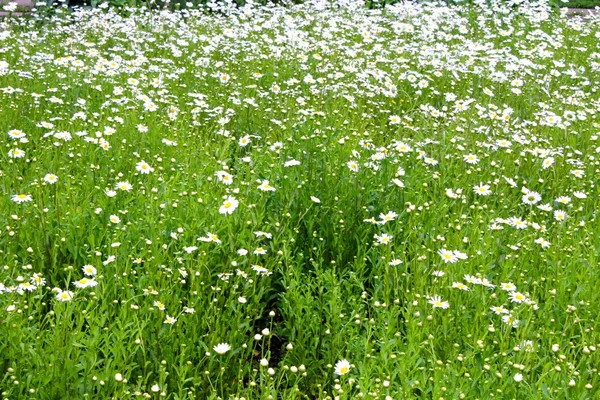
(430, 161)
(563, 200)
(486, 283)
(50, 178)
(64, 295)
(266, 187)
(190, 249)
(352, 165)
(460, 286)
(109, 260)
(482, 190)
(315, 199)
(89, 270)
(143, 167)
(85, 283)
(508, 286)
(229, 206)
(560, 215)
(531, 198)
(547, 162)
(471, 159)
(398, 182)
(342, 367)
(22, 198)
(26, 286)
(390, 216)
(210, 237)
(448, 256)
(384, 238)
(114, 219)
(517, 223)
(499, 310)
(472, 279)
(221, 348)
(36, 279)
(260, 251)
(170, 320)
(16, 153)
(224, 177)
(125, 186)
(291, 163)
(261, 270)
(244, 141)
(517, 297)
(16, 134)
(436, 302)
(527, 346)
(578, 173)
(224, 78)
(510, 320)
(518, 377)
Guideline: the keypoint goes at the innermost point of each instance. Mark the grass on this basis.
(312, 202)
(581, 3)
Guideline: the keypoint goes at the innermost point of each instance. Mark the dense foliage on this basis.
(318, 201)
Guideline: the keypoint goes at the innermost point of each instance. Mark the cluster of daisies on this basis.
(188, 173)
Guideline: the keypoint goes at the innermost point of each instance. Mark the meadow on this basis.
(317, 201)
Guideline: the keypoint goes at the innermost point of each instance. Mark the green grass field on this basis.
(316, 202)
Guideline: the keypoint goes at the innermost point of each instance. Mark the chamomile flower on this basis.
(85, 283)
(229, 206)
(50, 178)
(64, 295)
(16, 134)
(244, 141)
(125, 186)
(448, 256)
(342, 367)
(531, 198)
(22, 198)
(16, 153)
(517, 297)
(143, 167)
(222, 348)
(89, 270)
(224, 177)
(482, 190)
(560, 215)
(499, 310)
(437, 302)
(471, 159)
(266, 187)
